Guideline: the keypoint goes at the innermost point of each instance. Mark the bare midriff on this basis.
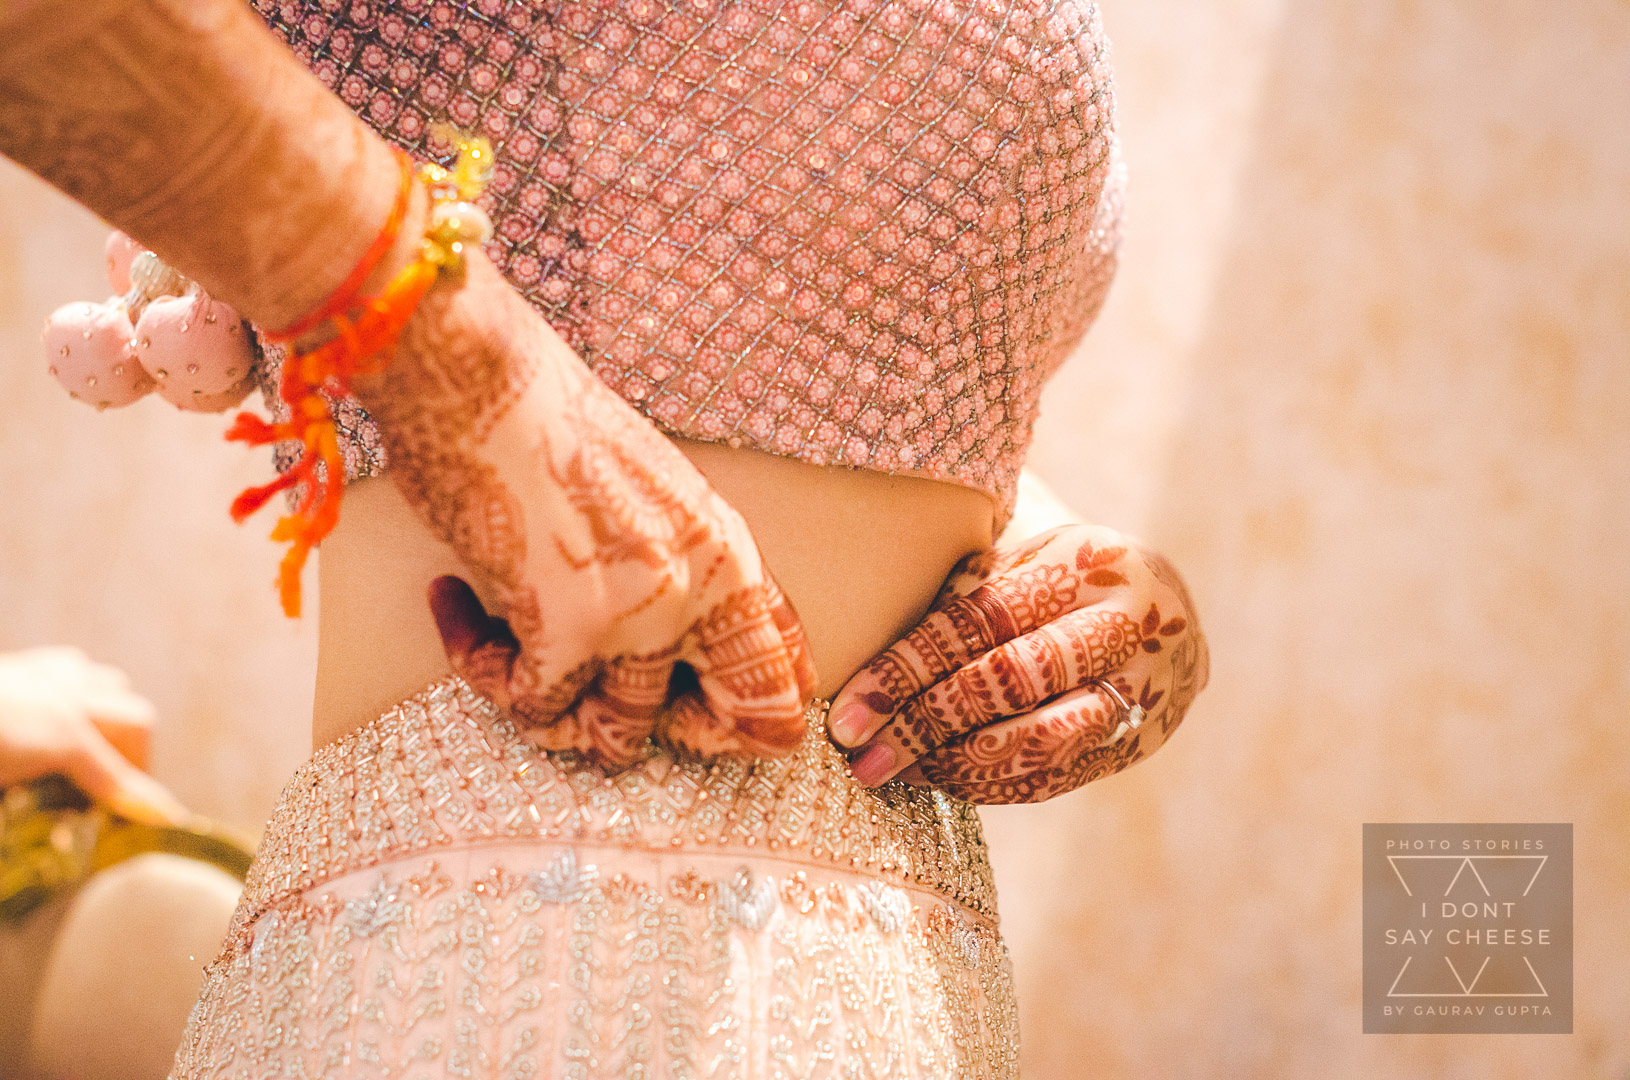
(861, 555)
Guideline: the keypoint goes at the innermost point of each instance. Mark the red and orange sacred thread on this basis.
(344, 297)
(362, 345)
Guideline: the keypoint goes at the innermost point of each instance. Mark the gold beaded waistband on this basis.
(446, 769)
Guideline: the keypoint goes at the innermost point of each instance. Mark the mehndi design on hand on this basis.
(997, 695)
(613, 566)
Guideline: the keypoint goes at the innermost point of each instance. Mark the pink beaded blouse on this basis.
(852, 232)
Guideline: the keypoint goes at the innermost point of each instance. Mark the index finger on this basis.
(126, 725)
(753, 677)
(951, 637)
(1010, 681)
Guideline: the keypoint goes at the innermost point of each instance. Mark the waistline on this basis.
(445, 769)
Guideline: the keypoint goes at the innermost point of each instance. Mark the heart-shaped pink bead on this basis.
(89, 349)
(197, 349)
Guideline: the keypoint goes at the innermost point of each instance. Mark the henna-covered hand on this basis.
(611, 562)
(996, 696)
(630, 600)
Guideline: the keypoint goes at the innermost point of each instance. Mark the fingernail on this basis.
(147, 810)
(849, 725)
(873, 764)
(147, 803)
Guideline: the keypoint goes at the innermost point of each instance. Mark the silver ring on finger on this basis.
(1132, 715)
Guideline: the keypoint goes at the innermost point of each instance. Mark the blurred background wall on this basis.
(1364, 376)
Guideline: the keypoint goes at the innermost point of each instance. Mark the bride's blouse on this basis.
(854, 233)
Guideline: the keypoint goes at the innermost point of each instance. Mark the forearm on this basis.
(188, 125)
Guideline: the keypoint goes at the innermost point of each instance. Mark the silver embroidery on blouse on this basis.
(854, 232)
(374, 912)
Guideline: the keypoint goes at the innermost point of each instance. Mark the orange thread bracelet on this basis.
(360, 346)
(343, 298)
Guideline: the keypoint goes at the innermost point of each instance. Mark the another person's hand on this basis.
(998, 695)
(62, 713)
(628, 598)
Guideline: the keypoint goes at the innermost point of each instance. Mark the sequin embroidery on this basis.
(434, 897)
(856, 232)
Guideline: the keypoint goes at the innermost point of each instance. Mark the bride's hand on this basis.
(997, 697)
(628, 599)
(609, 560)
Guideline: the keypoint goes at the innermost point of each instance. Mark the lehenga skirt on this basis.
(436, 897)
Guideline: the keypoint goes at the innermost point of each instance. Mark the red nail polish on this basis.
(874, 764)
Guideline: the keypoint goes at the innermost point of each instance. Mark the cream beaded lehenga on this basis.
(435, 897)
(849, 231)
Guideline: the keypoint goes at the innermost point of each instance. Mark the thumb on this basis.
(96, 767)
(481, 648)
